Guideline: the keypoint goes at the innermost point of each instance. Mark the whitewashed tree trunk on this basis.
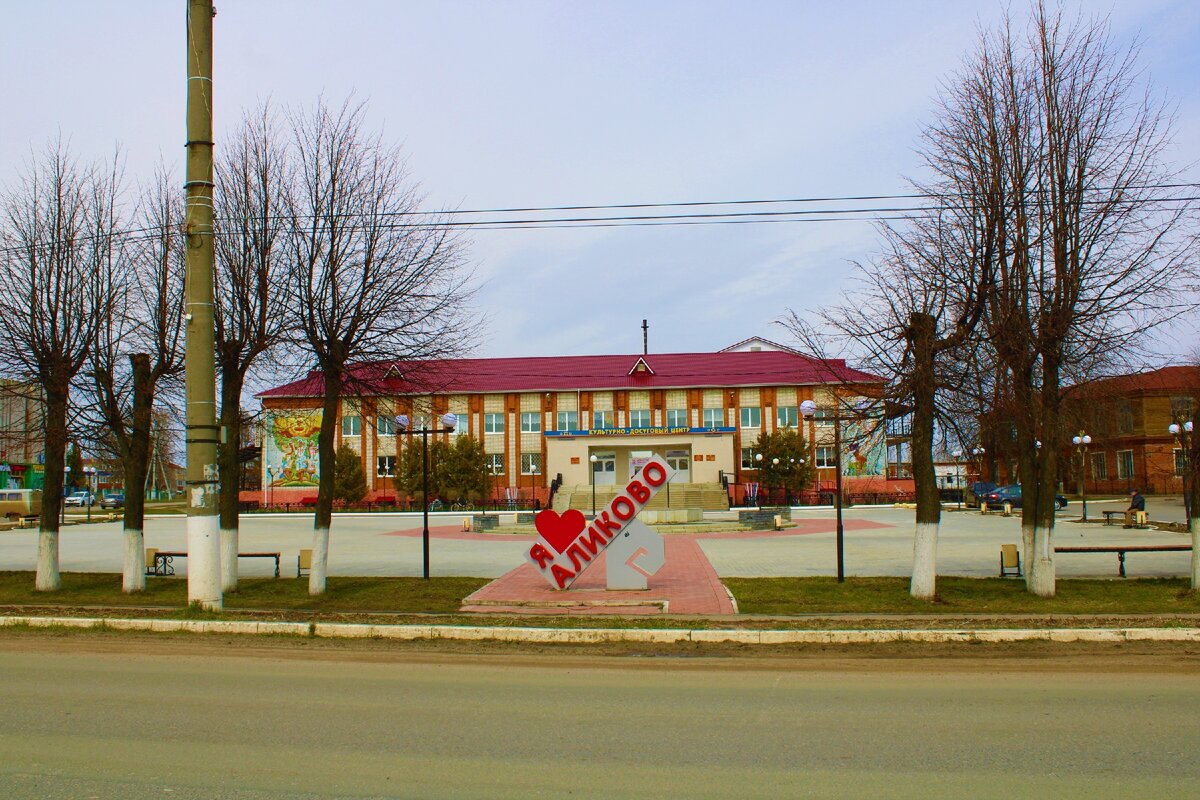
(320, 561)
(1027, 552)
(1196, 553)
(204, 561)
(48, 578)
(924, 569)
(133, 570)
(1041, 564)
(229, 559)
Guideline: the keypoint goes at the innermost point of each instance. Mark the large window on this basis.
(495, 463)
(385, 426)
(748, 461)
(531, 422)
(639, 418)
(602, 419)
(714, 417)
(787, 416)
(751, 416)
(1124, 464)
(493, 423)
(420, 422)
(824, 418)
(826, 457)
(352, 425)
(1124, 417)
(531, 463)
(1179, 464)
(567, 421)
(385, 466)
(677, 418)
(1099, 466)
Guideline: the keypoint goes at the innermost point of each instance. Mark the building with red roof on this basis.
(540, 418)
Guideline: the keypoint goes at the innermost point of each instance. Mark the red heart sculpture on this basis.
(560, 531)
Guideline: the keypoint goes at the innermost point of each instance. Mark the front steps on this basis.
(704, 496)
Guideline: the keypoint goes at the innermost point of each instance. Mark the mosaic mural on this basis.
(290, 448)
(864, 449)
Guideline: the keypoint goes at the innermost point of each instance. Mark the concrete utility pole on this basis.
(203, 534)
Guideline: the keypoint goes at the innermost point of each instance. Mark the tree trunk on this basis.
(324, 513)
(921, 332)
(136, 464)
(48, 578)
(231, 424)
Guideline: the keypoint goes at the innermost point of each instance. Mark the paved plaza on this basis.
(878, 541)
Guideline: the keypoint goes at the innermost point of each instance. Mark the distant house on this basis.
(1127, 417)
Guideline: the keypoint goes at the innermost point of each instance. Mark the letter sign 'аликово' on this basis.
(567, 544)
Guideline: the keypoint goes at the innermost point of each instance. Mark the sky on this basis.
(537, 104)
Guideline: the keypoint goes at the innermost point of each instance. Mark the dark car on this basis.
(1012, 495)
(113, 501)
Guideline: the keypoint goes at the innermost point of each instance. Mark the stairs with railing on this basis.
(704, 496)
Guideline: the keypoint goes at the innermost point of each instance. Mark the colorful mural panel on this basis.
(864, 449)
(290, 452)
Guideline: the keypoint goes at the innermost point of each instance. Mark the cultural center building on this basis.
(584, 418)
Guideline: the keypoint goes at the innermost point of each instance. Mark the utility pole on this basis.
(203, 530)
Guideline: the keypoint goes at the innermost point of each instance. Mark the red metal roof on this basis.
(1184, 379)
(589, 373)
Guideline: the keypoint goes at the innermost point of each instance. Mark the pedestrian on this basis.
(1136, 503)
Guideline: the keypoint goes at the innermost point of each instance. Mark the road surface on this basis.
(113, 716)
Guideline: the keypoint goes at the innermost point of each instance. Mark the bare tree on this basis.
(370, 278)
(57, 235)
(139, 346)
(249, 292)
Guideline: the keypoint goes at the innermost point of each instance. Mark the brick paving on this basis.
(686, 584)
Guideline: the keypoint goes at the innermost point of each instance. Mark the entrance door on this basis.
(604, 469)
(681, 462)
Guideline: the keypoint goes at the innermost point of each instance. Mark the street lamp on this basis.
(449, 423)
(63, 500)
(89, 473)
(809, 409)
(758, 462)
(270, 484)
(1183, 435)
(1081, 443)
(593, 458)
(958, 454)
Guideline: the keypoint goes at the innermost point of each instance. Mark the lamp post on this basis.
(449, 422)
(758, 468)
(593, 458)
(809, 409)
(958, 483)
(63, 500)
(1081, 443)
(1183, 435)
(89, 475)
(270, 484)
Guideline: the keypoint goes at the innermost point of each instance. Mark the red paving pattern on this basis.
(687, 584)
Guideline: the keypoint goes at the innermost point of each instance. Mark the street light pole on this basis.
(1081, 443)
(593, 458)
(449, 422)
(89, 475)
(808, 408)
(1183, 435)
(958, 454)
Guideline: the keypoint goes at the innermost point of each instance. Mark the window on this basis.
(420, 422)
(639, 418)
(567, 421)
(1124, 420)
(1099, 466)
(826, 457)
(385, 466)
(531, 463)
(787, 416)
(1181, 408)
(1179, 464)
(714, 418)
(751, 417)
(748, 461)
(677, 418)
(531, 422)
(385, 426)
(824, 418)
(495, 463)
(1124, 464)
(493, 423)
(602, 419)
(351, 425)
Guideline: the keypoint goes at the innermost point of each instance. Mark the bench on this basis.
(1121, 550)
(162, 562)
(1139, 519)
(1010, 561)
(304, 562)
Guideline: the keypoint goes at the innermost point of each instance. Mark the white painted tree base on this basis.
(133, 562)
(320, 561)
(1042, 578)
(229, 559)
(924, 569)
(204, 561)
(48, 578)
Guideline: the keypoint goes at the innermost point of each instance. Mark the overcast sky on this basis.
(503, 104)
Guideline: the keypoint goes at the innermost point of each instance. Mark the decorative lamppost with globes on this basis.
(958, 482)
(1081, 443)
(593, 458)
(809, 409)
(1183, 435)
(449, 423)
(89, 476)
(62, 502)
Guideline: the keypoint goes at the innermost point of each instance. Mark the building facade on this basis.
(545, 418)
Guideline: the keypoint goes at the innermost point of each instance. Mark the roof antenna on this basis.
(645, 338)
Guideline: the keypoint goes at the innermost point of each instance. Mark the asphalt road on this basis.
(127, 717)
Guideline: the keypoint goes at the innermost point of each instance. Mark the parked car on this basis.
(977, 490)
(113, 501)
(80, 499)
(1012, 495)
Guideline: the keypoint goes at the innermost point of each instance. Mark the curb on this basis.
(613, 635)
